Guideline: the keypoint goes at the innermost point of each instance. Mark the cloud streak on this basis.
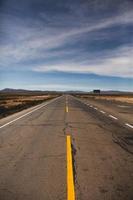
(120, 64)
(68, 37)
(33, 41)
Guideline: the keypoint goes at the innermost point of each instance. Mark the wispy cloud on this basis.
(61, 87)
(87, 37)
(36, 42)
(118, 63)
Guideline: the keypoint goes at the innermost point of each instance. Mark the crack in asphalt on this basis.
(68, 125)
(74, 151)
(125, 142)
(75, 166)
(120, 137)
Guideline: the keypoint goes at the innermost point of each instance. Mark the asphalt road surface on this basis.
(35, 160)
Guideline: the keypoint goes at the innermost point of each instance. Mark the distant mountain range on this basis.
(114, 92)
(21, 91)
(13, 90)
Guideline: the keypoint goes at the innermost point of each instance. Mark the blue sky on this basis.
(66, 45)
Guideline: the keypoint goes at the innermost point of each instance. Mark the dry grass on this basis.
(117, 98)
(19, 100)
(10, 104)
(121, 99)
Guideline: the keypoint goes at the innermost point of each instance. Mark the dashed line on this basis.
(129, 125)
(113, 117)
(67, 109)
(102, 111)
(66, 104)
(70, 176)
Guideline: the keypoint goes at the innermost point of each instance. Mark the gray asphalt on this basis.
(122, 110)
(33, 154)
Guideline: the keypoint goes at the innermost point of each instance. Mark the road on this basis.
(65, 144)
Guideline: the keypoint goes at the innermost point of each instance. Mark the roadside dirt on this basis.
(121, 99)
(124, 99)
(10, 104)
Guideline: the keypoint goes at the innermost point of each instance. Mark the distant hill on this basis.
(40, 92)
(114, 92)
(26, 92)
(8, 90)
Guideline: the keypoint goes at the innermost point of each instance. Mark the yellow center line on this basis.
(70, 177)
(66, 105)
(67, 109)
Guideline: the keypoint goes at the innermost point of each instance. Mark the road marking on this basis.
(122, 106)
(113, 117)
(102, 111)
(67, 109)
(129, 125)
(37, 108)
(70, 177)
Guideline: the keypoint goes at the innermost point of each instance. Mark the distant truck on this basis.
(96, 91)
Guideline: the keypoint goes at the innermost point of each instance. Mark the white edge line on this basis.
(113, 117)
(102, 111)
(27, 113)
(129, 125)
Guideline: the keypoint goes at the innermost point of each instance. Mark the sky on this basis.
(66, 44)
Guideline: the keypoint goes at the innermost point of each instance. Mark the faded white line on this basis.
(122, 106)
(129, 125)
(113, 117)
(102, 111)
(95, 108)
(27, 113)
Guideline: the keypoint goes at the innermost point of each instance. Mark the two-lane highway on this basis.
(64, 150)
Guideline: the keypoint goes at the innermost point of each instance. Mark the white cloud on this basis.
(119, 63)
(36, 42)
(59, 87)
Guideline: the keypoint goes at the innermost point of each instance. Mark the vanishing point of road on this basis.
(64, 149)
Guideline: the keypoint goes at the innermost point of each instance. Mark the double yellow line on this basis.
(70, 177)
